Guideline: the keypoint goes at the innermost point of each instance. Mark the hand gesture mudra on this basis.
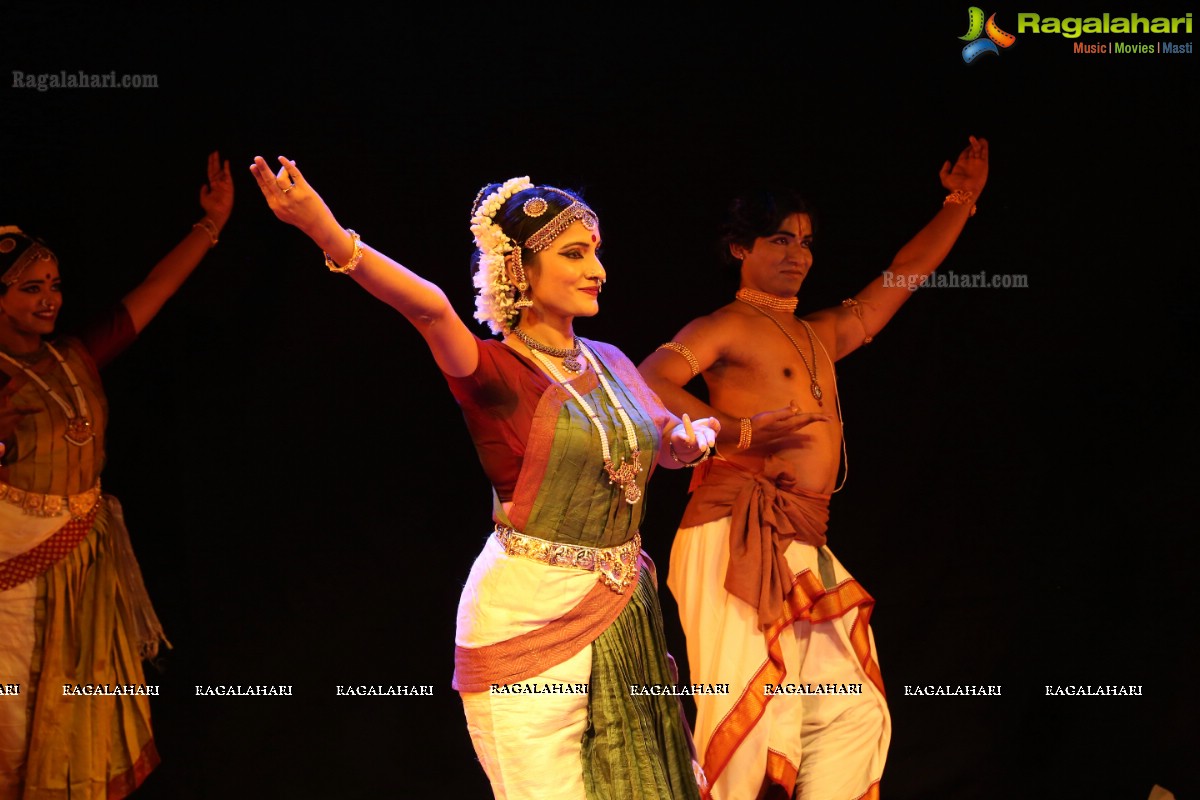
(692, 440)
(970, 170)
(290, 196)
(769, 427)
(216, 196)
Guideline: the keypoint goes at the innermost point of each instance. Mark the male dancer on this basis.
(764, 603)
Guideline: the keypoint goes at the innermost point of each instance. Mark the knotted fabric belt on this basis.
(618, 566)
(768, 511)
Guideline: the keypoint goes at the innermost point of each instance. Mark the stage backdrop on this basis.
(301, 491)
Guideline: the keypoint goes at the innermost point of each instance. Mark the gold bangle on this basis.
(853, 304)
(355, 257)
(744, 435)
(959, 197)
(689, 464)
(682, 350)
(209, 227)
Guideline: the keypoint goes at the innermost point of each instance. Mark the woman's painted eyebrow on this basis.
(581, 243)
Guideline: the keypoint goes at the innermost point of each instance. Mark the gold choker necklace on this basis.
(763, 300)
(569, 355)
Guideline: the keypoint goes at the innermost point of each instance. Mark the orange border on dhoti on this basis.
(807, 601)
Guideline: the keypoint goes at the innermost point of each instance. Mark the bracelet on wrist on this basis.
(961, 197)
(209, 227)
(689, 464)
(355, 257)
(745, 433)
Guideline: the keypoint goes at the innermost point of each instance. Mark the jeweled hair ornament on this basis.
(11, 240)
(495, 302)
(535, 208)
(576, 211)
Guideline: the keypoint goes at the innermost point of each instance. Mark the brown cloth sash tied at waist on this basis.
(769, 511)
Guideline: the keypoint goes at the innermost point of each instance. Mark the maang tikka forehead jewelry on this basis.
(35, 251)
(576, 211)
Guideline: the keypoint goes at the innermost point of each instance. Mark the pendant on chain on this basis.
(79, 431)
(625, 476)
(571, 363)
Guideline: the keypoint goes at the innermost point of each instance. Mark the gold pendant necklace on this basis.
(624, 476)
(814, 386)
(569, 355)
(79, 427)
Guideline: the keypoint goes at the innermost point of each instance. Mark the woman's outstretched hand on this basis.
(216, 196)
(691, 440)
(292, 199)
(970, 170)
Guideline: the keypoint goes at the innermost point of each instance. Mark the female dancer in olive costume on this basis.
(561, 598)
(73, 611)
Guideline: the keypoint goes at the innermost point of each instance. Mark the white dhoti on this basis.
(19, 533)
(806, 708)
(527, 743)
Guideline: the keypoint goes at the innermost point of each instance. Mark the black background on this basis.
(302, 492)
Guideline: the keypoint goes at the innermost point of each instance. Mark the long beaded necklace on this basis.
(814, 386)
(79, 427)
(569, 355)
(624, 476)
(812, 372)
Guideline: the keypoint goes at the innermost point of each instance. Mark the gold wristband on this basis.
(355, 257)
(682, 350)
(746, 432)
(959, 197)
(209, 227)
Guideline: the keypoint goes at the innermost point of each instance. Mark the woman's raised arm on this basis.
(422, 303)
(216, 198)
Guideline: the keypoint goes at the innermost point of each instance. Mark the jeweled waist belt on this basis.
(50, 505)
(618, 566)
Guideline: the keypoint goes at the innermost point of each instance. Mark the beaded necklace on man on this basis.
(757, 300)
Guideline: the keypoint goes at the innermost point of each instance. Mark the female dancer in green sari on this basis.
(561, 603)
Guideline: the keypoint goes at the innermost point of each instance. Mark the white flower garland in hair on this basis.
(494, 303)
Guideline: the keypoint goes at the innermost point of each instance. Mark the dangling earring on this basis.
(523, 298)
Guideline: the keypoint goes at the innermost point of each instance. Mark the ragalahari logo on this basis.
(976, 27)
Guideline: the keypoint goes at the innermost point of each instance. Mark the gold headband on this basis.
(35, 252)
(546, 234)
